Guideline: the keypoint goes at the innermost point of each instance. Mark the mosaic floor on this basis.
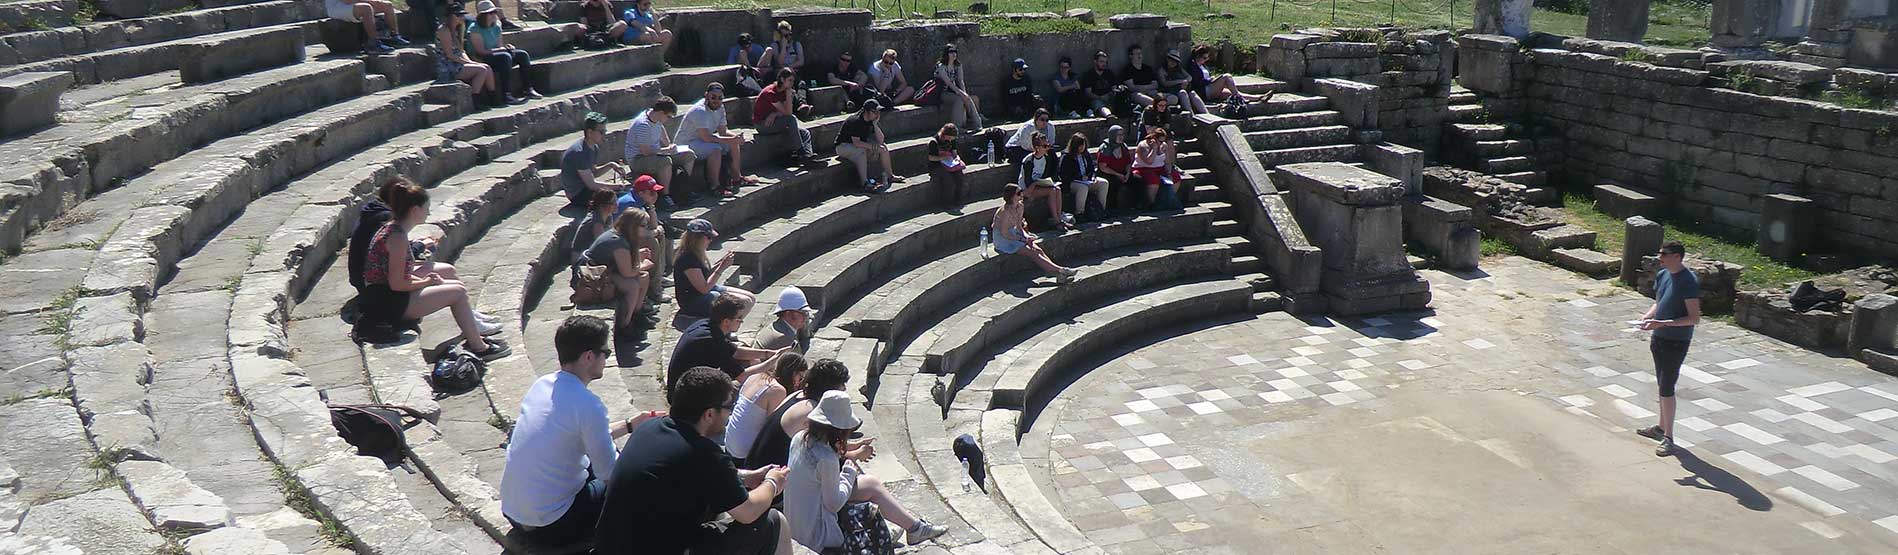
(1500, 421)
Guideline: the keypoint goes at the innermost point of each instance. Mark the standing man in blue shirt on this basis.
(1676, 309)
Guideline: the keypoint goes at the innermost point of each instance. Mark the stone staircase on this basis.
(1505, 151)
(193, 351)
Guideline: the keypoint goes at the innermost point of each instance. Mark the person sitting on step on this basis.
(580, 167)
(1036, 180)
(856, 83)
(793, 327)
(1152, 170)
(695, 278)
(601, 210)
(709, 342)
(510, 63)
(597, 17)
(560, 454)
(760, 395)
(1077, 175)
(830, 501)
(1155, 116)
(1216, 88)
(954, 90)
(625, 252)
(394, 287)
(1100, 86)
(945, 164)
(704, 129)
(1020, 145)
(887, 77)
(1018, 92)
(1113, 162)
(1142, 80)
(785, 52)
(644, 196)
(379, 35)
(1174, 83)
(649, 149)
(773, 446)
(453, 64)
(773, 112)
(642, 25)
(860, 141)
(672, 480)
(1069, 98)
(1010, 235)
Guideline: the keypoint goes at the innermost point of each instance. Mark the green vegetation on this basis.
(47, 393)
(1637, 55)
(1495, 246)
(1761, 272)
(297, 497)
(56, 319)
(1007, 27)
(85, 14)
(102, 464)
(1672, 22)
(35, 24)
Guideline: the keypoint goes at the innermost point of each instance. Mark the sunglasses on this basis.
(604, 352)
(844, 60)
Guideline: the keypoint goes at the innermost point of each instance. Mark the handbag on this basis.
(593, 285)
(931, 94)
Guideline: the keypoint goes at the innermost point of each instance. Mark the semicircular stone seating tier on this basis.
(193, 359)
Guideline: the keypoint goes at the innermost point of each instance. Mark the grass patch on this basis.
(1638, 55)
(1495, 246)
(45, 393)
(255, 246)
(103, 463)
(56, 319)
(85, 14)
(231, 283)
(298, 498)
(501, 423)
(1007, 27)
(35, 24)
(1673, 22)
(1761, 272)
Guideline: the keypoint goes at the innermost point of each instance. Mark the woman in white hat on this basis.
(508, 61)
(830, 502)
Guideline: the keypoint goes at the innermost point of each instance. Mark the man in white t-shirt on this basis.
(561, 452)
(703, 129)
(887, 76)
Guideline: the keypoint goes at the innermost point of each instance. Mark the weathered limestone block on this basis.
(1137, 21)
(1622, 20)
(211, 60)
(1503, 17)
(1643, 236)
(1875, 46)
(1356, 103)
(1399, 161)
(1623, 202)
(106, 320)
(1787, 72)
(1874, 324)
(234, 541)
(1743, 23)
(1487, 63)
(104, 521)
(1354, 216)
(1444, 229)
(1083, 15)
(1593, 263)
(173, 501)
(1769, 312)
(28, 101)
(1788, 225)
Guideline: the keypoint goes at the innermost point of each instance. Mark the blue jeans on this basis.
(504, 61)
(574, 527)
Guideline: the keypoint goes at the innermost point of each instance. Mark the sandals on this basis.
(496, 350)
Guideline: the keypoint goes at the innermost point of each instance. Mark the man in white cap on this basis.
(793, 325)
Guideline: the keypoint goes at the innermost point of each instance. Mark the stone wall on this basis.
(1663, 125)
(826, 33)
(1412, 71)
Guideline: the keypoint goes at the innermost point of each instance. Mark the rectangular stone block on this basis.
(1623, 202)
(1341, 50)
(212, 60)
(1788, 225)
(28, 101)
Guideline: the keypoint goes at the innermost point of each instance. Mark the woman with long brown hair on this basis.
(394, 286)
(625, 250)
(694, 275)
(760, 395)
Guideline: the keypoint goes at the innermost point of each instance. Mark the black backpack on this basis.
(456, 371)
(375, 430)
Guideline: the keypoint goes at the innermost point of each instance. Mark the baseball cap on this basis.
(702, 227)
(1021, 64)
(646, 183)
(595, 120)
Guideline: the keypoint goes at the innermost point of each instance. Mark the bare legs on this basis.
(1040, 257)
(453, 296)
(477, 75)
(1667, 416)
(632, 292)
(871, 489)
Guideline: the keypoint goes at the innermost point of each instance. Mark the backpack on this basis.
(456, 371)
(375, 430)
(374, 331)
(592, 285)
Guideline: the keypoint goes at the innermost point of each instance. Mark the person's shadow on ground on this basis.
(1709, 477)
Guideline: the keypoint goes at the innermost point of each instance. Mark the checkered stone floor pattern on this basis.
(1132, 464)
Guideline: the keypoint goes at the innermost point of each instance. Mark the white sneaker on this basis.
(489, 328)
(924, 531)
(485, 318)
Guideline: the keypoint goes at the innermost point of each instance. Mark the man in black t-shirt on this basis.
(672, 480)
(856, 84)
(860, 140)
(1018, 92)
(1142, 80)
(1098, 84)
(709, 343)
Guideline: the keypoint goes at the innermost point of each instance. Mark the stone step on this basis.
(1499, 149)
(97, 146)
(1239, 243)
(1226, 228)
(1466, 113)
(1530, 178)
(572, 70)
(1327, 153)
(237, 51)
(35, 46)
(1478, 131)
(1300, 137)
(1586, 261)
(1260, 282)
(899, 304)
(1462, 97)
(1267, 301)
(540, 38)
(1259, 84)
(830, 279)
(1012, 303)
(1249, 264)
(558, 117)
(1509, 164)
(1286, 103)
(1293, 120)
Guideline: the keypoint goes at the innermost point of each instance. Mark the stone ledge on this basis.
(208, 61)
(29, 101)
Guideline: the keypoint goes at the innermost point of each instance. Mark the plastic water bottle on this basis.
(967, 484)
(984, 246)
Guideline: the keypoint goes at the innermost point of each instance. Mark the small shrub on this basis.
(1638, 55)
(1493, 246)
(85, 14)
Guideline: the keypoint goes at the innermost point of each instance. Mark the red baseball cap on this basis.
(646, 183)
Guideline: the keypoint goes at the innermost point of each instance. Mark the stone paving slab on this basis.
(1397, 432)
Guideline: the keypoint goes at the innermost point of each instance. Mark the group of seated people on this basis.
(741, 462)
